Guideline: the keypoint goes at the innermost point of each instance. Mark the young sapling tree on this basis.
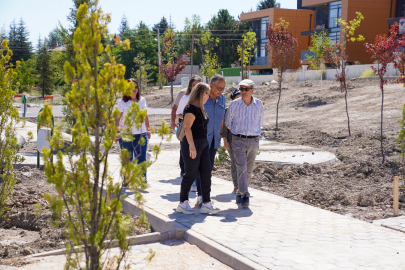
(383, 52)
(335, 55)
(89, 198)
(284, 48)
(171, 63)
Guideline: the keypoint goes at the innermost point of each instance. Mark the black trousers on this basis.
(212, 152)
(201, 164)
(181, 162)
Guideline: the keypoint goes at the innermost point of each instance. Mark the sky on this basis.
(41, 16)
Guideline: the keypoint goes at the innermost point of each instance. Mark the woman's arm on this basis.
(147, 126)
(188, 123)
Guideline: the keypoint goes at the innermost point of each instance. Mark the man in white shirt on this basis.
(244, 119)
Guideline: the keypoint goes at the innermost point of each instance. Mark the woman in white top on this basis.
(135, 149)
(194, 80)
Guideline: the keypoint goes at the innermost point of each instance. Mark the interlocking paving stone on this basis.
(275, 232)
(291, 229)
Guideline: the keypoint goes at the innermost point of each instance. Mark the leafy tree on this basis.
(89, 217)
(383, 51)
(230, 31)
(172, 63)
(210, 65)
(124, 26)
(44, 69)
(247, 50)
(284, 48)
(141, 74)
(25, 78)
(162, 25)
(264, 4)
(9, 118)
(319, 41)
(336, 56)
(66, 33)
(141, 42)
(58, 59)
(190, 37)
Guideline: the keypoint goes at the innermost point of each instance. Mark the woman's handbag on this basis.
(180, 133)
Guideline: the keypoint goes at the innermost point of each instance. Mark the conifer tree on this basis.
(265, 4)
(124, 26)
(44, 69)
(24, 46)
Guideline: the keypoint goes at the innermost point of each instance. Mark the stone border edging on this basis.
(161, 222)
(133, 240)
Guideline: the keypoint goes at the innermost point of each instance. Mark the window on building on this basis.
(264, 24)
(335, 12)
(263, 51)
(334, 36)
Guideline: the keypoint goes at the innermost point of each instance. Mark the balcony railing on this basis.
(260, 61)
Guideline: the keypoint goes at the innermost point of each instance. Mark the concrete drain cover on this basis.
(288, 154)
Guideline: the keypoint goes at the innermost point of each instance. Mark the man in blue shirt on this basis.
(215, 108)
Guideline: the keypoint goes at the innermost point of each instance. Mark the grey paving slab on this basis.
(289, 229)
(395, 223)
(275, 232)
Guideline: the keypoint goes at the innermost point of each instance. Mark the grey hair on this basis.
(217, 78)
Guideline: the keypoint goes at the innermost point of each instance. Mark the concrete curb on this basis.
(161, 222)
(133, 240)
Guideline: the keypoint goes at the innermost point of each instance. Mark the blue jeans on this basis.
(136, 151)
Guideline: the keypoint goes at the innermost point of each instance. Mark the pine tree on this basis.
(24, 46)
(44, 68)
(124, 26)
(264, 4)
(162, 25)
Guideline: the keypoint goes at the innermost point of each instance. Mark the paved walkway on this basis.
(274, 232)
(171, 254)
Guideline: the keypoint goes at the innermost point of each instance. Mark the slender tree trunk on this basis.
(279, 96)
(347, 109)
(382, 115)
(171, 91)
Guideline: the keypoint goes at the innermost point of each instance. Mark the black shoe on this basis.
(238, 198)
(245, 202)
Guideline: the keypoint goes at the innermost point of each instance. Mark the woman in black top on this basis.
(194, 148)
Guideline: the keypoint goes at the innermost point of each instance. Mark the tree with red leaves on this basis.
(335, 55)
(172, 63)
(384, 51)
(284, 48)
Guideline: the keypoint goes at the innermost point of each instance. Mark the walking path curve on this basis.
(274, 232)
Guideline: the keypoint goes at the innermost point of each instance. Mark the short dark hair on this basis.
(138, 95)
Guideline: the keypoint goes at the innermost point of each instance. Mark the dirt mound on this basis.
(26, 228)
(312, 101)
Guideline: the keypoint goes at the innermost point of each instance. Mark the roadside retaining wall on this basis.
(308, 75)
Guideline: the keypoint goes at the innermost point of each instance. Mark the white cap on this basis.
(246, 82)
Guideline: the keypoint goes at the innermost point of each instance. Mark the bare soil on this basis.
(26, 228)
(357, 184)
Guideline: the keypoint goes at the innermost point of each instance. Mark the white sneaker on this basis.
(199, 202)
(185, 208)
(193, 188)
(209, 208)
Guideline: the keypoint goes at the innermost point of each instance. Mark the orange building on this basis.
(300, 20)
(313, 15)
(375, 12)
